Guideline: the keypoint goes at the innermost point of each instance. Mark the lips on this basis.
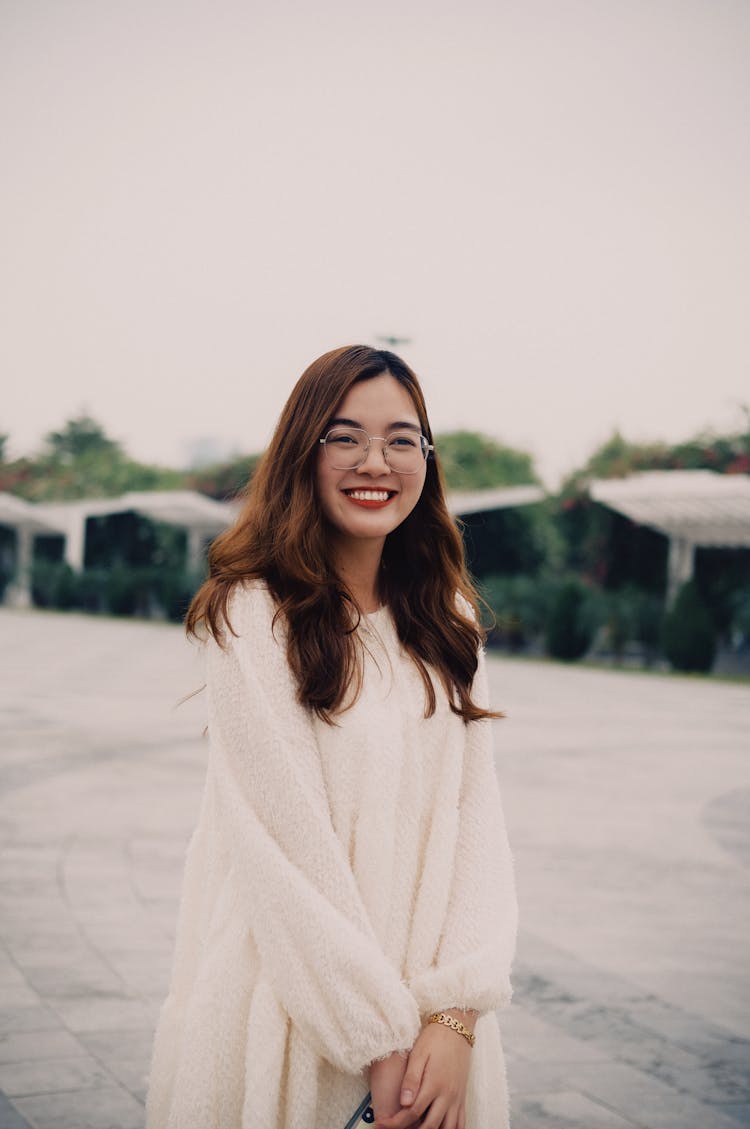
(369, 498)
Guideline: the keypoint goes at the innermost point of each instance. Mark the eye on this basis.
(403, 440)
(343, 438)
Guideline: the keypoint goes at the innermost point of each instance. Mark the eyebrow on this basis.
(399, 425)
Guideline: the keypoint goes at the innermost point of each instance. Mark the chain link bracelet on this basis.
(454, 1024)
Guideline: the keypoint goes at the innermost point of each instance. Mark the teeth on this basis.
(368, 495)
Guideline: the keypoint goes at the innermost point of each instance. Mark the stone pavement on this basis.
(628, 803)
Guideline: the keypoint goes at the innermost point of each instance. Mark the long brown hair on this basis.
(281, 537)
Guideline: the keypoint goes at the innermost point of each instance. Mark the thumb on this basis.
(412, 1079)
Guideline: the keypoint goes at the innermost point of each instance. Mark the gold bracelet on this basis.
(455, 1024)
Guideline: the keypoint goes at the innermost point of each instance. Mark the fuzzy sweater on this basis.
(342, 883)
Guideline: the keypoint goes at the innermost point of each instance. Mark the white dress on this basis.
(343, 882)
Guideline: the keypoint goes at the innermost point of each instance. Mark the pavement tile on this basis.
(13, 1019)
(19, 995)
(714, 1082)
(738, 1114)
(10, 973)
(641, 1097)
(23, 1046)
(92, 978)
(108, 1013)
(10, 1118)
(46, 1076)
(132, 1074)
(532, 1037)
(125, 1054)
(566, 1110)
(680, 1026)
(106, 1107)
(106, 1045)
(34, 949)
(630, 986)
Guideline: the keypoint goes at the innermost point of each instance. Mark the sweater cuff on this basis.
(462, 986)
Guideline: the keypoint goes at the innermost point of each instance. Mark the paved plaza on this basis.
(628, 803)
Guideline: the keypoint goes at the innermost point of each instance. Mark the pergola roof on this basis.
(200, 515)
(464, 502)
(175, 507)
(699, 506)
(21, 514)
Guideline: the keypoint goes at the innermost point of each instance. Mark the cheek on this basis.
(413, 490)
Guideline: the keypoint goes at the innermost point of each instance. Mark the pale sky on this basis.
(549, 197)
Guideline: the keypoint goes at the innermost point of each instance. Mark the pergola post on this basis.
(195, 551)
(680, 564)
(75, 540)
(18, 592)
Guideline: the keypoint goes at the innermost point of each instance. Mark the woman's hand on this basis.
(436, 1075)
(386, 1077)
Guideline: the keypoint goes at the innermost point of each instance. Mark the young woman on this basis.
(348, 912)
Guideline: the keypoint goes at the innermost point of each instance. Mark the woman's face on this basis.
(371, 500)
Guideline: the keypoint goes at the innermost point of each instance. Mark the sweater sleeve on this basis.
(317, 946)
(473, 964)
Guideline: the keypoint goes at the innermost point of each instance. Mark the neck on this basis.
(358, 565)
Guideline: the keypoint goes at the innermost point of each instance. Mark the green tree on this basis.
(472, 461)
(224, 481)
(82, 461)
(570, 627)
(618, 457)
(80, 437)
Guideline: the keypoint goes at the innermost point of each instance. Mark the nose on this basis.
(375, 462)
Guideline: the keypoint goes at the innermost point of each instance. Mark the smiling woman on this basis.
(331, 940)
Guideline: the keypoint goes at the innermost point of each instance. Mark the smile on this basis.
(370, 497)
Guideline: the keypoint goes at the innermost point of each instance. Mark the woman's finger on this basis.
(412, 1080)
(436, 1115)
(410, 1115)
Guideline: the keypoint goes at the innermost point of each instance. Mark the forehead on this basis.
(378, 402)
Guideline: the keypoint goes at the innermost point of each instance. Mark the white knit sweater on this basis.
(343, 882)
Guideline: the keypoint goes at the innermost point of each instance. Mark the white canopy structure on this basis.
(28, 521)
(497, 498)
(202, 517)
(693, 508)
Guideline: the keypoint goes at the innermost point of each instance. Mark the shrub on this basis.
(689, 635)
(570, 629)
(520, 605)
(175, 588)
(741, 616)
(53, 585)
(92, 588)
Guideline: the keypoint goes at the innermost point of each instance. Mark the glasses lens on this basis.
(405, 451)
(346, 447)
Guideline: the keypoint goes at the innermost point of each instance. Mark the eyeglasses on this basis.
(347, 448)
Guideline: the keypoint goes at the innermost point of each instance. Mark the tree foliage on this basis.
(472, 461)
(82, 461)
(225, 480)
(618, 457)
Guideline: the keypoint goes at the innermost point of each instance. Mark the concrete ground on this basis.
(628, 802)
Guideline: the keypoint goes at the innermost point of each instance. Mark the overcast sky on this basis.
(549, 197)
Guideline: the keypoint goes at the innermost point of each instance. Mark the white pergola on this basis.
(27, 521)
(202, 517)
(467, 502)
(692, 508)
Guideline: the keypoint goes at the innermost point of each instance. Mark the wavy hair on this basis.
(281, 537)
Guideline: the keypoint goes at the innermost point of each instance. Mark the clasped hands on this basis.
(428, 1087)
